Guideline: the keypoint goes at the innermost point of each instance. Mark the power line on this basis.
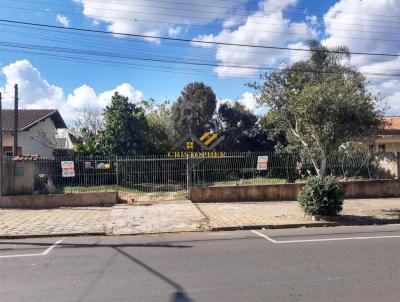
(125, 56)
(256, 4)
(102, 45)
(189, 40)
(200, 11)
(194, 17)
(124, 65)
(155, 60)
(217, 27)
(192, 10)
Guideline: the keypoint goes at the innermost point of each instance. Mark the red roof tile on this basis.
(392, 122)
(28, 118)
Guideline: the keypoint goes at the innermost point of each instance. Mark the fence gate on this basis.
(152, 178)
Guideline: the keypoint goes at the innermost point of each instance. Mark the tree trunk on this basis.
(320, 169)
(316, 167)
(323, 166)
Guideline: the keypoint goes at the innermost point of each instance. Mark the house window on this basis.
(382, 148)
(8, 151)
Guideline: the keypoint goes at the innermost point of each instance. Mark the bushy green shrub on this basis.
(321, 196)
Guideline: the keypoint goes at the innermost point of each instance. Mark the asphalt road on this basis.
(320, 264)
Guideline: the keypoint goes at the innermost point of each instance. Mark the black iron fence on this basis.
(164, 178)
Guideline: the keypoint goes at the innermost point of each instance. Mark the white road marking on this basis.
(44, 253)
(50, 248)
(322, 239)
(264, 236)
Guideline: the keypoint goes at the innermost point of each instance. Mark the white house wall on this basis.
(37, 140)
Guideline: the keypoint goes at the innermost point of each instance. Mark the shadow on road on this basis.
(91, 245)
(178, 296)
(367, 220)
(171, 244)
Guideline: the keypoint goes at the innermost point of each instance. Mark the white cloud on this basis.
(358, 25)
(152, 18)
(85, 98)
(123, 89)
(264, 27)
(248, 99)
(312, 19)
(295, 55)
(35, 92)
(62, 20)
(174, 31)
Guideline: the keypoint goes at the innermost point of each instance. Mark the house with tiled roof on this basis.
(388, 138)
(37, 132)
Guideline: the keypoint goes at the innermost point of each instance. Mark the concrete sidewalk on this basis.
(182, 216)
(288, 214)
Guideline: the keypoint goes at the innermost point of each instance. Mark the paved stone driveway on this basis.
(17, 222)
(226, 215)
(180, 216)
(121, 219)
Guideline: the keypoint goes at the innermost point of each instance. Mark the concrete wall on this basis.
(24, 183)
(39, 139)
(388, 163)
(371, 189)
(59, 200)
(285, 192)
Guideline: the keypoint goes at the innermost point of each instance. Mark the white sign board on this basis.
(68, 169)
(262, 163)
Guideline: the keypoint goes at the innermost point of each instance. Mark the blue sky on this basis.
(72, 82)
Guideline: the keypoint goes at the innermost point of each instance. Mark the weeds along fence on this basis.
(148, 178)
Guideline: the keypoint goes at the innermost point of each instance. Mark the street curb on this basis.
(272, 226)
(2, 237)
(297, 225)
(204, 229)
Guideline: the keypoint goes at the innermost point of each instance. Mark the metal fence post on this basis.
(187, 176)
(398, 165)
(287, 168)
(117, 172)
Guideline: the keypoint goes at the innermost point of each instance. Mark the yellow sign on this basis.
(207, 139)
(192, 154)
(207, 143)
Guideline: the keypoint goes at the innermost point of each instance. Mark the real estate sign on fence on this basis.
(262, 162)
(68, 169)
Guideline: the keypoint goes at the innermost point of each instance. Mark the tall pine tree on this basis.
(193, 111)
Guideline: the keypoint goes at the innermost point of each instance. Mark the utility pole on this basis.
(1, 149)
(15, 149)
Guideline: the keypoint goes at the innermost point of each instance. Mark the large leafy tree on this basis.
(125, 127)
(241, 129)
(158, 116)
(322, 102)
(193, 111)
(275, 135)
(86, 128)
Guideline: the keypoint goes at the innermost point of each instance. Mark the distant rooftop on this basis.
(27, 118)
(393, 122)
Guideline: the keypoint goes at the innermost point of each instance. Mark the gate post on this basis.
(117, 172)
(398, 165)
(187, 176)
